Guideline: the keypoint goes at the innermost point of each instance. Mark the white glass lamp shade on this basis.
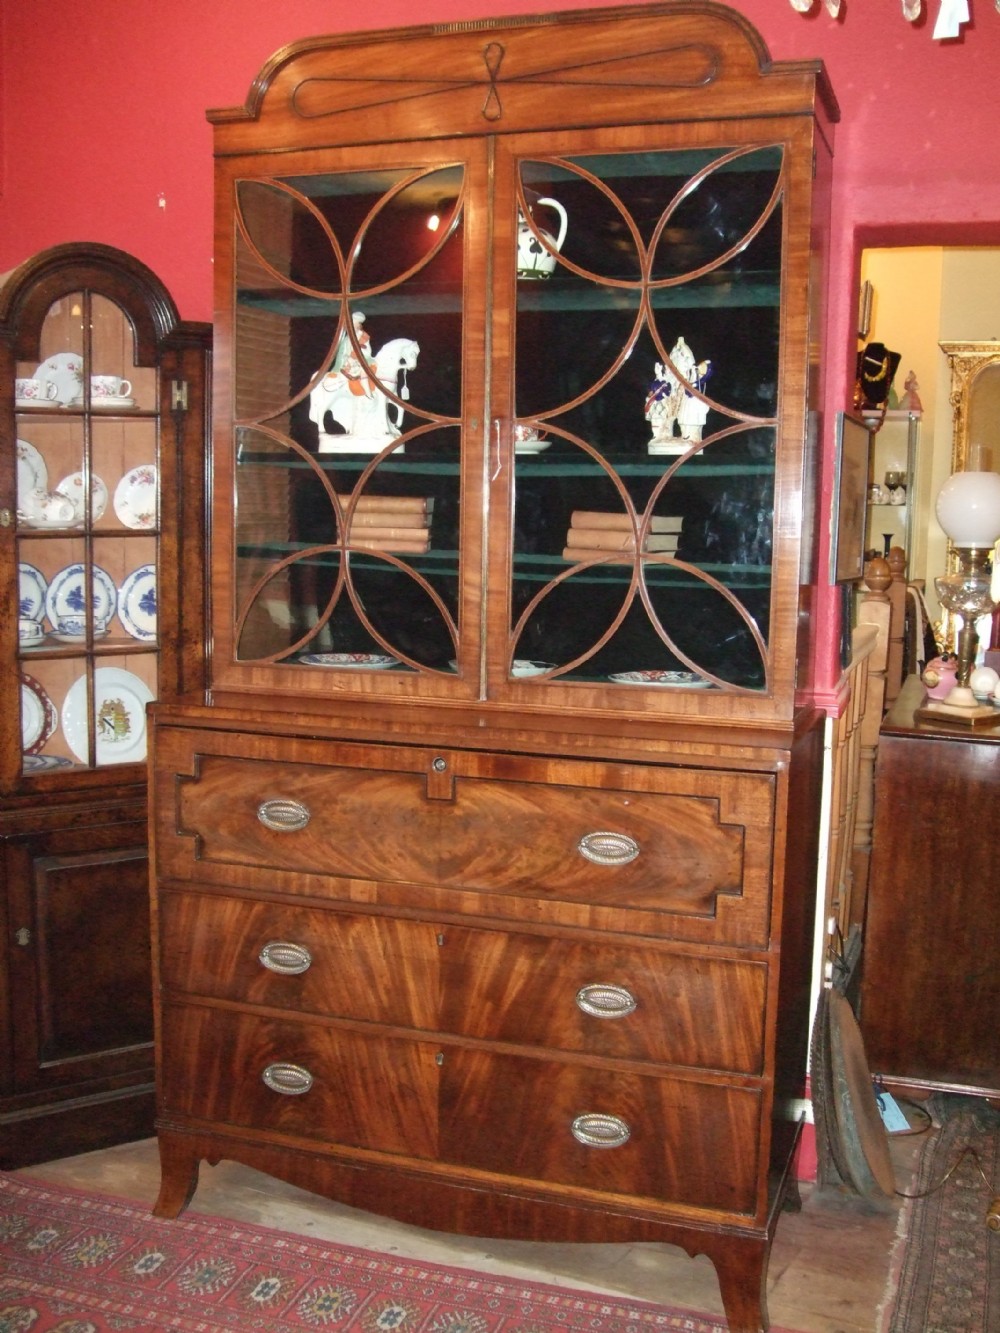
(968, 508)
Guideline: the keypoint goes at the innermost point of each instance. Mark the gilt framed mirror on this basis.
(975, 401)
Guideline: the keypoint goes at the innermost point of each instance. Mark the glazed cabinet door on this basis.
(564, 372)
(657, 306)
(108, 409)
(354, 406)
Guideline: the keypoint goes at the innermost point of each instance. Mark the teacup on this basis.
(110, 386)
(527, 435)
(75, 627)
(46, 509)
(34, 390)
(28, 630)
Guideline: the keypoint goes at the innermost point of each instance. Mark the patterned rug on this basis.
(83, 1263)
(947, 1267)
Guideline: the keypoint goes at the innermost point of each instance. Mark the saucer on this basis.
(112, 404)
(676, 679)
(522, 667)
(72, 488)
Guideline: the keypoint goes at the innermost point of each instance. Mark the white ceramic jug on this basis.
(533, 260)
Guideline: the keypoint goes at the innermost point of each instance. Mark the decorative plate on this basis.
(38, 717)
(65, 371)
(137, 603)
(32, 474)
(31, 591)
(136, 497)
(66, 597)
(684, 679)
(72, 488)
(120, 700)
(40, 763)
(522, 667)
(349, 661)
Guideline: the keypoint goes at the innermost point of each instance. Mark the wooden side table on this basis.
(930, 993)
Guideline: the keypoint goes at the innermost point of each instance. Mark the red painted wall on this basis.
(103, 135)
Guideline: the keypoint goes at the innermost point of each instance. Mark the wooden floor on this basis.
(828, 1270)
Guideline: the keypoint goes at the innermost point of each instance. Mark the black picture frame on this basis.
(849, 516)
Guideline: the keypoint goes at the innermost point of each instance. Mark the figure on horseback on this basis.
(355, 393)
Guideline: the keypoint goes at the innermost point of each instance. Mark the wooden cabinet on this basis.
(103, 393)
(485, 874)
(930, 990)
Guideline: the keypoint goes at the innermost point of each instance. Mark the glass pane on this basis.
(646, 372)
(87, 543)
(348, 400)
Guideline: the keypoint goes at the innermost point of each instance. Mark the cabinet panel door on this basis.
(81, 993)
(598, 1129)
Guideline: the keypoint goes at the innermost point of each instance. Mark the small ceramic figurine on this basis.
(939, 675)
(354, 393)
(671, 402)
(910, 401)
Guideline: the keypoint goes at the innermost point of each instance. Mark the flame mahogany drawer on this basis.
(679, 853)
(562, 1123)
(615, 1000)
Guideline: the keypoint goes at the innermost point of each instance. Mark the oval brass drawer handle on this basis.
(602, 1000)
(289, 1080)
(608, 849)
(288, 959)
(595, 1130)
(283, 816)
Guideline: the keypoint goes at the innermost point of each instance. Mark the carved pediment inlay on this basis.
(686, 65)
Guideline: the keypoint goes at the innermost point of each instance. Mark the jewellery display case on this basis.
(485, 873)
(103, 397)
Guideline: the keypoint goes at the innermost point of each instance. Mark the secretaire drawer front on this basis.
(287, 956)
(683, 853)
(297, 1078)
(683, 1142)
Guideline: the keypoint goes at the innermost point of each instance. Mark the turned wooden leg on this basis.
(178, 1176)
(742, 1269)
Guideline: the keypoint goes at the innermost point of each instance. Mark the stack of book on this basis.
(396, 523)
(592, 532)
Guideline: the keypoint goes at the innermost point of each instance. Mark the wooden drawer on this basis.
(474, 833)
(686, 1142)
(614, 999)
(367, 1091)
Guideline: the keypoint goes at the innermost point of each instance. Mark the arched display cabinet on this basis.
(102, 394)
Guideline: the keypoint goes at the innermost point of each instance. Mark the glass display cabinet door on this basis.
(643, 418)
(86, 539)
(351, 390)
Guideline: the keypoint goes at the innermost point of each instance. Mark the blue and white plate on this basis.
(137, 603)
(66, 595)
(31, 591)
(43, 763)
